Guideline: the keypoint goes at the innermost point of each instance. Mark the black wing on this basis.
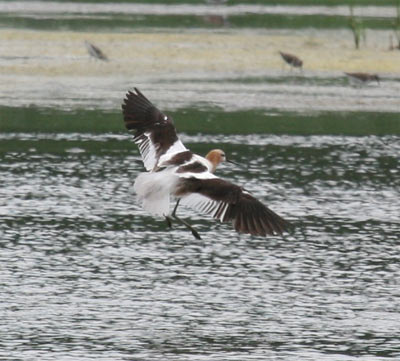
(230, 203)
(154, 132)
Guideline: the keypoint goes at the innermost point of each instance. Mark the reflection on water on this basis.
(87, 275)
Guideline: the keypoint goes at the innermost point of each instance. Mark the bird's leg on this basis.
(194, 232)
(169, 221)
(168, 218)
(173, 214)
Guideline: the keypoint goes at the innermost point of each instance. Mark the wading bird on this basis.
(363, 78)
(94, 51)
(292, 60)
(173, 171)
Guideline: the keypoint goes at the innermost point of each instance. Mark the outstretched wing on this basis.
(154, 132)
(230, 203)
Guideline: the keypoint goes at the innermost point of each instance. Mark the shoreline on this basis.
(62, 53)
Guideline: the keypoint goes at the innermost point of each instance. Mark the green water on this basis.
(207, 121)
(121, 21)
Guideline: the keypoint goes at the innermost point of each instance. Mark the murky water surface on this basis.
(298, 93)
(87, 275)
(33, 8)
(181, 62)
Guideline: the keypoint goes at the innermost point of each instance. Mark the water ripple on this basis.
(86, 274)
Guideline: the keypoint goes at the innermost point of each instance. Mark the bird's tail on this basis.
(154, 191)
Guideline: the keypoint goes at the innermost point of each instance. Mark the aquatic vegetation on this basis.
(358, 29)
(396, 29)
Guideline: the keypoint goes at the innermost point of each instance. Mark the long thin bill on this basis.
(237, 164)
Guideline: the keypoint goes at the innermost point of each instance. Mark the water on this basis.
(33, 8)
(86, 274)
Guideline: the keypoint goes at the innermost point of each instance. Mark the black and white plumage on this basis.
(173, 171)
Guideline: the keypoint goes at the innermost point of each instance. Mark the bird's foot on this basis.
(194, 232)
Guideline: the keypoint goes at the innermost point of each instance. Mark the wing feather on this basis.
(154, 132)
(228, 202)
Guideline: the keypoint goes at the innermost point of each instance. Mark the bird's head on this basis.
(217, 156)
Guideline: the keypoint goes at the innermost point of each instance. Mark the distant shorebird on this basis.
(362, 78)
(292, 60)
(94, 51)
(174, 171)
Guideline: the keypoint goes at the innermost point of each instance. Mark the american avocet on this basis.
(174, 171)
(292, 60)
(363, 78)
(94, 51)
